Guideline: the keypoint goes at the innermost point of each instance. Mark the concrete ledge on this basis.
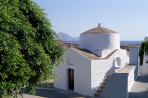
(126, 69)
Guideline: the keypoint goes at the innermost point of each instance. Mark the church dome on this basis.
(98, 30)
(100, 40)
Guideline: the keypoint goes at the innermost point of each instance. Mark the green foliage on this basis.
(28, 51)
(143, 51)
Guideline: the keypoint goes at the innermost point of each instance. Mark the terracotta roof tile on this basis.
(91, 55)
(98, 30)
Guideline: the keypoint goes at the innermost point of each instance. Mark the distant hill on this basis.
(66, 37)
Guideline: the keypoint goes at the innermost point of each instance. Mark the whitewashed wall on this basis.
(102, 53)
(133, 55)
(120, 83)
(131, 78)
(82, 73)
(102, 68)
(100, 42)
(87, 74)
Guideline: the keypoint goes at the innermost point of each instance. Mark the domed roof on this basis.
(99, 30)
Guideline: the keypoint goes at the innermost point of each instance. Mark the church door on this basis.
(71, 79)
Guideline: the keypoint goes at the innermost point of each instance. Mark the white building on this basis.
(98, 57)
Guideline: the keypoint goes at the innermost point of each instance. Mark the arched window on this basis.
(117, 62)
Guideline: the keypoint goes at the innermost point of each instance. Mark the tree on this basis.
(143, 51)
(28, 51)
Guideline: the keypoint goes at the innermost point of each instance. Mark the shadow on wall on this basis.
(116, 64)
(110, 72)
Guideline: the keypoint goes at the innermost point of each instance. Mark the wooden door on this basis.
(71, 79)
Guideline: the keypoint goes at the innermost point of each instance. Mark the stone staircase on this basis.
(102, 87)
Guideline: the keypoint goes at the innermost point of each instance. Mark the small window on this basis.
(117, 62)
(69, 61)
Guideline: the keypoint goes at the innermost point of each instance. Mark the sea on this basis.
(131, 42)
(121, 42)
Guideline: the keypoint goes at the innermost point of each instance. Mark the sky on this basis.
(127, 17)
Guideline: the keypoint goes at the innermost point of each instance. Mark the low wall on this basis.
(143, 69)
(120, 83)
(134, 54)
(131, 77)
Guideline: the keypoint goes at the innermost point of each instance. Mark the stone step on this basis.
(99, 90)
(97, 94)
(106, 80)
(109, 76)
(104, 83)
(102, 87)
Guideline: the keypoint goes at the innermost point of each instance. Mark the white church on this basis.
(88, 68)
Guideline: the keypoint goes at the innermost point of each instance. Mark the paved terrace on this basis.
(139, 88)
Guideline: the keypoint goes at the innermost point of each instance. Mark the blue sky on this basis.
(128, 17)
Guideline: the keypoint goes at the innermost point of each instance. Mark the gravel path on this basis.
(139, 88)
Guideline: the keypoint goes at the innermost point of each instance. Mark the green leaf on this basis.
(28, 51)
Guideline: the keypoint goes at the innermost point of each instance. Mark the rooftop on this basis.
(91, 55)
